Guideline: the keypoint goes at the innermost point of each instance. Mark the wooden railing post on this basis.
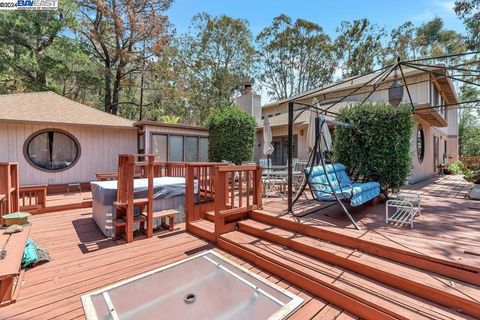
(189, 195)
(258, 187)
(150, 169)
(220, 199)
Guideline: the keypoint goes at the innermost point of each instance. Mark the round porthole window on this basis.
(420, 143)
(52, 150)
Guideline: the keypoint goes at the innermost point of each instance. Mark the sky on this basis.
(327, 13)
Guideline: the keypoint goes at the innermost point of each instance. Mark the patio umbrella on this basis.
(326, 142)
(311, 127)
(267, 137)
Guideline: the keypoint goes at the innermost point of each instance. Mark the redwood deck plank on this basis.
(446, 229)
(368, 290)
(462, 291)
(84, 260)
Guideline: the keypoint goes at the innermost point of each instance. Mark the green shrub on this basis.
(378, 149)
(472, 174)
(231, 135)
(456, 167)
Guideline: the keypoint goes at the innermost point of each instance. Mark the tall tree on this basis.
(25, 37)
(434, 40)
(469, 12)
(469, 123)
(359, 46)
(218, 56)
(294, 57)
(118, 32)
(72, 72)
(402, 43)
(428, 40)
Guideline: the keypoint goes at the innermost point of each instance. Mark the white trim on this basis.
(110, 306)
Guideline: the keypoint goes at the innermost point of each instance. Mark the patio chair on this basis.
(264, 162)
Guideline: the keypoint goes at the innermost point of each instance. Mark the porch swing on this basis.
(330, 182)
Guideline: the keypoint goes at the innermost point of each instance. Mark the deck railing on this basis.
(3, 207)
(33, 198)
(228, 191)
(199, 192)
(237, 191)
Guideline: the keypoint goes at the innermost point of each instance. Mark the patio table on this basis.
(277, 179)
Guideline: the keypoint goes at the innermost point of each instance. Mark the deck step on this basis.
(122, 222)
(165, 213)
(437, 288)
(203, 228)
(462, 272)
(377, 300)
(136, 202)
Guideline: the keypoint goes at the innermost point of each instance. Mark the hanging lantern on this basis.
(395, 93)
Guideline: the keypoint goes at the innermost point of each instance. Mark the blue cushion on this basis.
(358, 193)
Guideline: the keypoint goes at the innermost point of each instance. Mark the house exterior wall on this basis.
(99, 147)
(426, 168)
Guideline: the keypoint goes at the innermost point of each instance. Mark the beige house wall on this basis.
(99, 146)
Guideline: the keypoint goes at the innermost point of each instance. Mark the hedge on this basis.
(379, 148)
(231, 135)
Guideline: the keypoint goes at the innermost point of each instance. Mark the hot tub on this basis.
(205, 286)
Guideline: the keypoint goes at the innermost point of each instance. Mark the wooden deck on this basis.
(448, 229)
(84, 260)
(380, 272)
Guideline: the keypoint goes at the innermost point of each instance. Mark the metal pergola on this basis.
(464, 72)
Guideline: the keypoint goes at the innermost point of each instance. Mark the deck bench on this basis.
(11, 273)
(163, 215)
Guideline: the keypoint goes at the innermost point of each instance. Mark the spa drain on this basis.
(190, 298)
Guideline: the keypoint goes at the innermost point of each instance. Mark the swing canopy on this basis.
(340, 184)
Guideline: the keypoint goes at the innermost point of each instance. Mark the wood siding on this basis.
(99, 151)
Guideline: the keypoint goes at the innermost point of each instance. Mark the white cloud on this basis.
(446, 5)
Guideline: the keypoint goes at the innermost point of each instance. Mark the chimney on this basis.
(250, 102)
(247, 89)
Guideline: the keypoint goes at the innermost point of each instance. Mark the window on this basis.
(420, 144)
(52, 150)
(191, 149)
(203, 150)
(175, 148)
(141, 143)
(280, 149)
(159, 146)
(181, 148)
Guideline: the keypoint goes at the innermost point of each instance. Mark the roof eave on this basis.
(17, 121)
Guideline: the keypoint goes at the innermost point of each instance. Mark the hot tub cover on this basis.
(105, 192)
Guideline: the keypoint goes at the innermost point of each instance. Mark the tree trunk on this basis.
(41, 79)
(116, 91)
(108, 90)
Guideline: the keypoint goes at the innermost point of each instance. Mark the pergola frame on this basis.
(375, 82)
